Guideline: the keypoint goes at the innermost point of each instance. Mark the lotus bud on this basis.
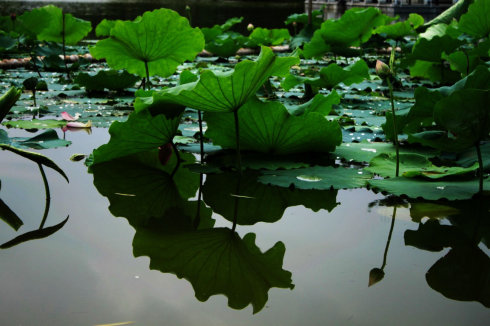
(250, 27)
(295, 24)
(187, 8)
(382, 69)
(375, 275)
(13, 16)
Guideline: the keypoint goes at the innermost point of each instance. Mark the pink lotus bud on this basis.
(382, 69)
(250, 27)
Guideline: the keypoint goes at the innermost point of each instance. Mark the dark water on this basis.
(203, 13)
(87, 273)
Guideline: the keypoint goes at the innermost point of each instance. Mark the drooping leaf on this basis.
(142, 132)
(258, 202)
(269, 128)
(8, 100)
(35, 157)
(45, 140)
(352, 29)
(215, 261)
(227, 92)
(9, 216)
(476, 22)
(34, 235)
(453, 12)
(317, 177)
(162, 39)
(106, 79)
(320, 104)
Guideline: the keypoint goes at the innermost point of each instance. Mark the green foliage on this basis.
(401, 29)
(106, 79)
(227, 92)
(354, 28)
(222, 42)
(263, 36)
(268, 127)
(105, 26)
(476, 22)
(8, 100)
(45, 140)
(160, 39)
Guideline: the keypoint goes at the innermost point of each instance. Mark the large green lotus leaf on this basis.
(215, 261)
(434, 71)
(414, 165)
(110, 79)
(462, 62)
(469, 157)
(320, 104)
(7, 42)
(439, 139)
(35, 157)
(258, 202)
(317, 177)
(432, 49)
(227, 92)
(75, 29)
(476, 22)
(8, 100)
(302, 18)
(365, 152)
(142, 132)
(466, 114)
(463, 275)
(429, 190)
(352, 29)
(45, 140)
(453, 12)
(33, 22)
(401, 29)
(161, 38)
(226, 44)
(9, 216)
(268, 127)
(331, 76)
(139, 187)
(263, 36)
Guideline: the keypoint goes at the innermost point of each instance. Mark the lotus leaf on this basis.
(414, 165)
(258, 202)
(45, 140)
(352, 29)
(320, 104)
(154, 44)
(401, 29)
(8, 100)
(453, 12)
(429, 190)
(226, 44)
(142, 132)
(35, 124)
(110, 79)
(269, 128)
(104, 27)
(317, 177)
(264, 36)
(227, 92)
(476, 22)
(331, 76)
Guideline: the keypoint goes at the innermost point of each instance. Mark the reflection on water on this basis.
(179, 237)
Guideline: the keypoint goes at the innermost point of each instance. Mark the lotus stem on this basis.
(201, 135)
(480, 164)
(237, 133)
(237, 199)
(34, 96)
(48, 196)
(197, 220)
(395, 131)
(177, 155)
(147, 76)
(64, 46)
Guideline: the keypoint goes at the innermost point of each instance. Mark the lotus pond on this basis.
(335, 176)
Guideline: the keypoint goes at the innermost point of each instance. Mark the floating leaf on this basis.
(35, 124)
(317, 177)
(160, 39)
(45, 140)
(429, 190)
(269, 128)
(110, 79)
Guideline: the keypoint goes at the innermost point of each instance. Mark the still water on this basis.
(87, 274)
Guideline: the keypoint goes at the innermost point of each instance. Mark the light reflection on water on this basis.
(86, 274)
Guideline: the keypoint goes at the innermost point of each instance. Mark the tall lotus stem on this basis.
(147, 76)
(480, 164)
(64, 46)
(201, 135)
(237, 134)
